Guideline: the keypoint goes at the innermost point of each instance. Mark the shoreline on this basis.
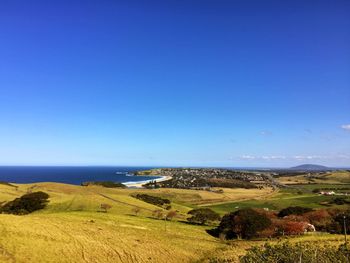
(140, 183)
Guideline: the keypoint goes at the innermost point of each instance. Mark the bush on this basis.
(293, 228)
(202, 216)
(230, 183)
(26, 204)
(245, 223)
(300, 252)
(105, 207)
(340, 201)
(338, 226)
(170, 215)
(294, 210)
(154, 200)
(321, 219)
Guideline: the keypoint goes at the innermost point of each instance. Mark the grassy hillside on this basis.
(276, 202)
(71, 228)
(336, 177)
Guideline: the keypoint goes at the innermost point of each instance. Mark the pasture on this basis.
(73, 229)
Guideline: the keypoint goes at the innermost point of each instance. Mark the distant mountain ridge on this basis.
(310, 167)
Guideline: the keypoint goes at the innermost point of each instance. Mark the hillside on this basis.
(310, 167)
(331, 177)
(72, 229)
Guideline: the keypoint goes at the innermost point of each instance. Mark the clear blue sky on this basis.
(202, 83)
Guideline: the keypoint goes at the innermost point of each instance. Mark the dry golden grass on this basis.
(71, 229)
(202, 197)
(234, 249)
(108, 238)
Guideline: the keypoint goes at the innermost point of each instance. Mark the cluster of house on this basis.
(327, 193)
(332, 193)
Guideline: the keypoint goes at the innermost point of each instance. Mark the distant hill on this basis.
(310, 167)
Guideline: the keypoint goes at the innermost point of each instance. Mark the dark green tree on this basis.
(294, 210)
(202, 216)
(245, 223)
(26, 204)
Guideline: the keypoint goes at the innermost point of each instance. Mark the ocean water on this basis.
(70, 174)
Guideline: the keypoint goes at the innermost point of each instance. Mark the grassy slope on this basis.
(336, 177)
(276, 202)
(71, 230)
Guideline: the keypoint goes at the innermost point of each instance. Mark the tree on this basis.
(105, 207)
(293, 228)
(245, 223)
(340, 201)
(170, 215)
(321, 219)
(26, 204)
(340, 219)
(154, 200)
(202, 216)
(294, 210)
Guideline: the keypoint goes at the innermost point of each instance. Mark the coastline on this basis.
(140, 183)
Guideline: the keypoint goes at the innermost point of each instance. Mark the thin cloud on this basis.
(346, 127)
(247, 157)
(264, 157)
(265, 133)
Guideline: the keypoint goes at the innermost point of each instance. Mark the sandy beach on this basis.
(140, 183)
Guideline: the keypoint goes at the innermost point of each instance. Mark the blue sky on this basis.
(202, 83)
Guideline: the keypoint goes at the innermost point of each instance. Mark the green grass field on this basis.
(310, 187)
(278, 201)
(72, 229)
(336, 177)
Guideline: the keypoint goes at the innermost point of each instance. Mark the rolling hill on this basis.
(310, 167)
(72, 229)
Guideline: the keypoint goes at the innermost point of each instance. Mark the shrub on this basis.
(291, 253)
(340, 201)
(230, 183)
(105, 207)
(294, 210)
(245, 223)
(293, 227)
(154, 200)
(26, 204)
(202, 216)
(321, 219)
(338, 226)
(170, 215)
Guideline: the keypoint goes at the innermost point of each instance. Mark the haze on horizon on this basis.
(193, 83)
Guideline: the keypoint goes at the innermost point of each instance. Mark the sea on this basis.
(71, 174)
